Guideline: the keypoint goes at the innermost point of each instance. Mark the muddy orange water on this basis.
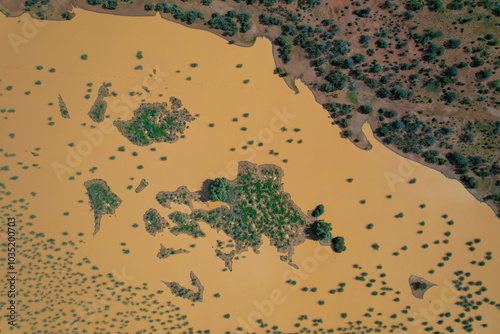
(316, 172)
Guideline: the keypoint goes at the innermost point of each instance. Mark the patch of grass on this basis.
(352, 96)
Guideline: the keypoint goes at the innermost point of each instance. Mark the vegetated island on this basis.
(154, 123)
(143, 184)
(180, 291)
(256, 206)
(184, 224)
(228, 258)
(419, 286)
(62, 108)
(164, 252)
(181, 196)
(102, 200)
(395, 64)
(98, 109)
(155, 223)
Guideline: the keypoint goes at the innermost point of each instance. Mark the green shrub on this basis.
(338, 244)
(318, 211)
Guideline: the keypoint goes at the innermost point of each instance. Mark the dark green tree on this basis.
(452, 43)
(365, 12)
(338, 244)
(318, 211)
(414, 5)
(382, 43)
(322, 229)
(399, 93)
(110, 4)
(384, 92)
(483, 74)
(68, 16)
(434, 5)
(450, 96)
(338, 80)
(218, 189)
(365, 109)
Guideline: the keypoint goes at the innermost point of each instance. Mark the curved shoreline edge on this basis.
(359, 138)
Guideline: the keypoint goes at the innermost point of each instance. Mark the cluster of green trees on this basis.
(432, 51)
(322, 229)
(307, 4)
(154, 222)
(416, 5)
(258, 206)
(432, 156)
(38, 3)
(476, 164)
(336, 81)
(154, 123)
(347, 63)
(218, 189)
(469, 181)
(307, 38)
(365, 12)
(452, 43)
(177, 290)
(285, 48)
(460, 162)
(365, 40)
(102, 199)
(395, 93)
(365, 109)
(187, 223)
(384, 113)
(144, 129)
(281, 72)
(42, 16)
(110, 4)
(289, 30)
(419, 286)
(224, 22)
(339, 109)
(188, 17)
(244, 19)
(492, 6)
(382, 43)
(410, 134)
(414, 136)
(270, 20)
(450, 97)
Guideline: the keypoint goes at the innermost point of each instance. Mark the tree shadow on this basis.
(204, 192)
(310, 234)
